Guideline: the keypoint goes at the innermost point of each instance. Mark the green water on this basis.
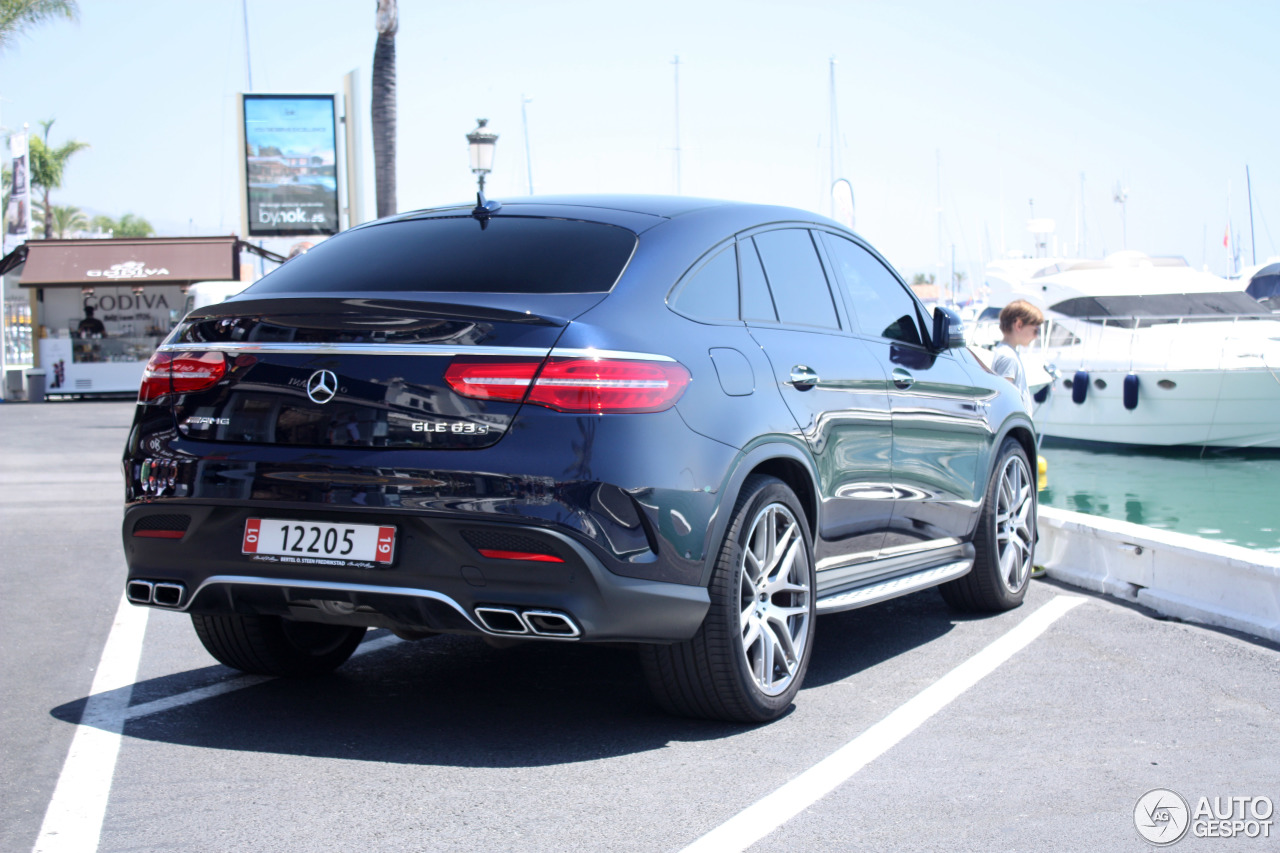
(1228, 495)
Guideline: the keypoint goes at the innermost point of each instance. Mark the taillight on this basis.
(180, 373)
(595, 385)
(490, 379)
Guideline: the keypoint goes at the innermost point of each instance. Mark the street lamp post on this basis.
(480, 144)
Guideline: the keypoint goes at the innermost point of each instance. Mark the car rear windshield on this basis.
(508, 255)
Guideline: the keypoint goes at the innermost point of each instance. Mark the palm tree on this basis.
(18, 15)
(383, 108)
(921, 278)
(67, 220)
(47, 166)
(129, 225)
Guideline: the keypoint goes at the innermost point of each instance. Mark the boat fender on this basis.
(1080, 386)
(1131, 391)
(1043, 394)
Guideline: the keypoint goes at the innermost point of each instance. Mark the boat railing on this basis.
(1091, 334)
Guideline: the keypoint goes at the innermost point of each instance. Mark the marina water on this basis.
(1227, 495)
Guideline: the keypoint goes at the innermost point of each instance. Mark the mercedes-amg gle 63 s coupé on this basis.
(687, 425)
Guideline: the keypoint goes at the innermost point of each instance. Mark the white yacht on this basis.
(1148, 351)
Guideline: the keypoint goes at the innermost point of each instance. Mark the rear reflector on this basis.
(595, 385)
(180, 373)
(494, 554)
(159, 534)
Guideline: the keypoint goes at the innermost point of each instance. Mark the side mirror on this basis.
(948, 328)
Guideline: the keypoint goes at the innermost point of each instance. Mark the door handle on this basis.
(902, 379)
(803, 378)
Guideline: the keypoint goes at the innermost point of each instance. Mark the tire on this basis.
(1004, 544)
(273, 645)
(750, 656)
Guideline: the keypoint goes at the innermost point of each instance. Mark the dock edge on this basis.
(1174, 574)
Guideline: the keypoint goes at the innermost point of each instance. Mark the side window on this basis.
(757, 304)
(711, 293)
(796, 278)
(880, 304)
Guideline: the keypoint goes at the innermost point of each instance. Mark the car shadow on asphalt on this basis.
(455, 701)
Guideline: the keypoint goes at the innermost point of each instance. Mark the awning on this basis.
(1228, 303)
(1265, 283)
(152, 260)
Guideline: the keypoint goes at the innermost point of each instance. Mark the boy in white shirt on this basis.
(1020, 322)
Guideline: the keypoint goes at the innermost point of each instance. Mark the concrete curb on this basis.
(1172, 573)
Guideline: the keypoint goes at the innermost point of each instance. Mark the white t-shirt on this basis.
(1007, 363)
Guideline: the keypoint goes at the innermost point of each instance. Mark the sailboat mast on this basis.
(938, 154)
(1253, 246)
(528, 157)
(831, 200)
(676, 63)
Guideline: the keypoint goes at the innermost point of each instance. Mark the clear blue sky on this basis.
(1015, 99)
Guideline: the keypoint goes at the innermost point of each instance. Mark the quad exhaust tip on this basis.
(509, 622)
(151, 592)
(140, 592)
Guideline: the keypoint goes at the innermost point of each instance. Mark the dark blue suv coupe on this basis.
(688, 425)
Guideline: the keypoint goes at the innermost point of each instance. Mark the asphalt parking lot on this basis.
(1038, 729)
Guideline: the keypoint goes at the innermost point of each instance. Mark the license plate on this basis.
(319, 541)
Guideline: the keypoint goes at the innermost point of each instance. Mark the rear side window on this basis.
(711, 293)
(796, 279)
(510, 255)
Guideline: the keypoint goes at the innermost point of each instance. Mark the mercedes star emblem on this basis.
(322, 386)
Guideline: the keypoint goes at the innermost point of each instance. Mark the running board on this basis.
(862, 596)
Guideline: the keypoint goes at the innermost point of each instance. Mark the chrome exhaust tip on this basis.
(501, 620)
(139, 592)
(550, 623)
(168, 594)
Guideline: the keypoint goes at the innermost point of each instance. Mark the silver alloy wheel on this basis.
(1015, 533)
(774, 599)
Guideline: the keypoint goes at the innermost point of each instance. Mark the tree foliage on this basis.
(129, 225)
(16, 16)
(66, 219)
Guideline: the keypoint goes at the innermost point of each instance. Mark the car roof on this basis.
(636, 212)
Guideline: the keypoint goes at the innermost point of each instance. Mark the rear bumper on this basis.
(437, 582)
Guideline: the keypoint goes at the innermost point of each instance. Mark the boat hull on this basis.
(1211, 408)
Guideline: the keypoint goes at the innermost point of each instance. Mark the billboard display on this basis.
(290, 165)
(18, 216)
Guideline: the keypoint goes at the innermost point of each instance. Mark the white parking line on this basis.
(73, 821)
(168, 703)
(771, 812)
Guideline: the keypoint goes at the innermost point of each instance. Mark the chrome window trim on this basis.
(419, 349)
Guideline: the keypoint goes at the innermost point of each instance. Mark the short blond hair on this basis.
(1019, 309)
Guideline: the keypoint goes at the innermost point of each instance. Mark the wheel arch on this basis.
(1025, 436)
(782, 460)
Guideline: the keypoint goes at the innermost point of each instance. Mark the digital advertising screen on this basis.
(291, 174)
